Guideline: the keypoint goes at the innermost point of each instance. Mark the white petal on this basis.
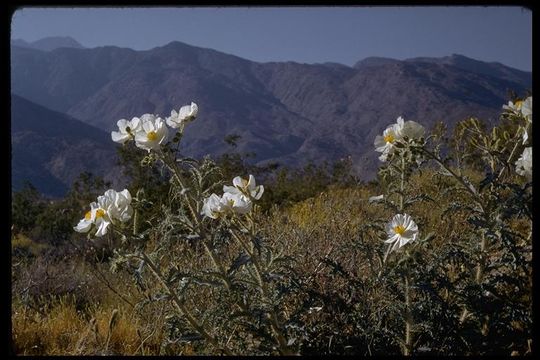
(194, 109)
(251, 183)
(83, 226)
(102, 227)
(379, 141)
(184, 111)
(231, 189)
(135, 124)
(148, 126)
(392, 239)
(211, 206)
(148, 117)
(119, 137)
(126, 194)
(126, 214)
(237, 181)
(258, 192)
(122, 123)
(172, 123)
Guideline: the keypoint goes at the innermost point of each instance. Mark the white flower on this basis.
(526, 111)
(412, 130)
(97, 216)
(395, 132)
(524, 163)
(212, 206)
(525, 136)
(376, 198)
(110, 206)
(245, 187)
(401, 229)
(185, 114)
(521, 107)
(215, 206)
(152, 134)
(85, 223)
(127, 130)
(385, 143)
(526, 108)
(119, 204)
(237, 203)
(512, 107)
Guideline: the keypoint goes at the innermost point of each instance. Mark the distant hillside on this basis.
(50, 149)
(287, 112)
(49, 43)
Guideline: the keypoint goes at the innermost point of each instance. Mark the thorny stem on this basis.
(217, 265)
(182, 308)
(102, 278)
(179, 305)
(215, 261)
(402, 184)
(479, 274)
(516, 145)
(136, 215)
(407, 349)
(178, 177)
(483, 243)
(481, 263)
(274, 322)
(469, 187)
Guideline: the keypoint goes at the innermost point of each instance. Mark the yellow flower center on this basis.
(151, 136)
(389, 138)
(400, 229)
(518, 104)
(100, 213)
(88, 215)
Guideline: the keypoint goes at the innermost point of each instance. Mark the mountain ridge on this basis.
(49, 43)
(52, 152)
(288, 112)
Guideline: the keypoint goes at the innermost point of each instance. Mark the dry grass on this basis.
(61, 329)
(325, 226)
(22, 244)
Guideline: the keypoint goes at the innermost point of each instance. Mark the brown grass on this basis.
(323, 226)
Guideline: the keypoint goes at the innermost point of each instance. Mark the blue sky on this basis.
(302, 34)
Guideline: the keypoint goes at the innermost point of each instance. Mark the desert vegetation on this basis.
(221, 257)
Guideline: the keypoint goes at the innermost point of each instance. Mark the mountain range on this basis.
(49, 43)
(50, 149)
(285, 112)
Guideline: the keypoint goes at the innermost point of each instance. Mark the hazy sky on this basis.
(302, 34)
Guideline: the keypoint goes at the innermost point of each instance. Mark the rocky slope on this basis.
(287, 112)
